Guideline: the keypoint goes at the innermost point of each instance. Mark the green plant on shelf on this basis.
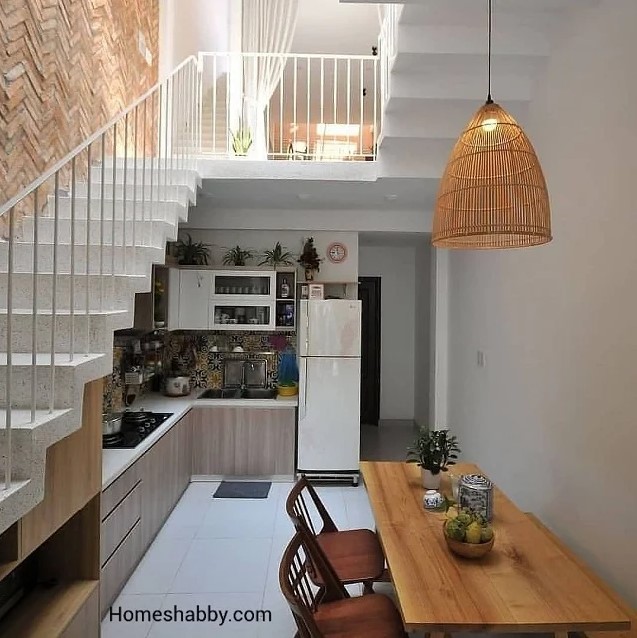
(278, 256)
(192, 253)
(237, 256)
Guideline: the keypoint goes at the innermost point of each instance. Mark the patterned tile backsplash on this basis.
(201, 354)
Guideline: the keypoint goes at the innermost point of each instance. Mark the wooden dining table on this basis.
(528, 583)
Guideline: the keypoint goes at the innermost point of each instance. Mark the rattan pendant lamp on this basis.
(492, 193)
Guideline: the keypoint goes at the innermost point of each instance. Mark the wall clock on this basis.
(337, 252)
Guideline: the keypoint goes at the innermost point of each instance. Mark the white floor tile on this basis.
(158, 568)
(190, 512)
(224, 565)
(239, 518)
(282, 625)
(113, 628)
(223, 603)
(279, 543)
(199, 491)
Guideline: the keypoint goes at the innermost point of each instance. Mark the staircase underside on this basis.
(103, 302)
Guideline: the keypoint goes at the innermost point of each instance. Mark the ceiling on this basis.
(384, 194)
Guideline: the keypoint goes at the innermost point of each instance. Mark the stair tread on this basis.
(21, 418)
(15, 486)
(46, 312)
(61, 359)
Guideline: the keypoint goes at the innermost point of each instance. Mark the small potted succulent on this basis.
(237, 256)
(309, 259)
(434, 451)
(241, 140)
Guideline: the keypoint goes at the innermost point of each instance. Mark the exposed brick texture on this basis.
(66, 68)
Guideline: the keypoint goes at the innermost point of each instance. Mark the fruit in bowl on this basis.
(468, 533)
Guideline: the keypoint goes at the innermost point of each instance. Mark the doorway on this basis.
(369, 295)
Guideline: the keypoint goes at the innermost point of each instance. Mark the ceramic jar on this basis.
(432, 500)
(476, 492)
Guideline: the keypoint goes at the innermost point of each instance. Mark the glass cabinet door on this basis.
(246, 284)
(224, 316)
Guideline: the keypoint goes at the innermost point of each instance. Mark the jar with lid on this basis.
(476, 493)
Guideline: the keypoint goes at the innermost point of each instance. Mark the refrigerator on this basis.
(328, 441)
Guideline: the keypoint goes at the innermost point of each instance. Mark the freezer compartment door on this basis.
(330, 328)
(329, 414)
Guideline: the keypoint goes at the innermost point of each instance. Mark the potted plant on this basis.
(433, 451)
(278, 256)
(309, 259)
(192, 253)
(237, 256)
(241, 140)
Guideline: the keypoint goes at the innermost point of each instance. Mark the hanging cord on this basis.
(489, 99)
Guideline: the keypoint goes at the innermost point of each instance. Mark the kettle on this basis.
(177, 386)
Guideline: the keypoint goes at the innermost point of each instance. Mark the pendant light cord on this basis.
(489, 99)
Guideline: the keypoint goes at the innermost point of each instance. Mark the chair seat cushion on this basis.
(355, 554)
(372, 616)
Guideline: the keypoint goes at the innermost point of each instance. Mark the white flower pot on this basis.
(430, 481)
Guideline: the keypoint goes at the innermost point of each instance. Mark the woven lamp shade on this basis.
(493, 193)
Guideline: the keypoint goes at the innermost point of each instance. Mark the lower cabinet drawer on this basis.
(119, 522)
(119, 567)
(118, 489)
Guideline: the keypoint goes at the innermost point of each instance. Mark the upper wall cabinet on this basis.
(231, 299)
(194, 299)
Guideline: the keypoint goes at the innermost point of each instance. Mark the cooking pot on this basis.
(177, 386)
(111, 424)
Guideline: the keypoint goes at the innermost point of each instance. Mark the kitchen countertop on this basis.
(116, 462)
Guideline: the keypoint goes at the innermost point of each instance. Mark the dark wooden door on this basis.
(369, 294)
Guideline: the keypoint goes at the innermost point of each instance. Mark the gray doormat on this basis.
(243, 489)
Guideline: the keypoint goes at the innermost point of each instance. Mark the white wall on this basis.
(396, 267)
(422, 312)
(259, 240)
(189, 26)
(552, 415)
(331, 26)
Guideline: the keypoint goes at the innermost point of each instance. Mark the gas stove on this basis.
(136, 426)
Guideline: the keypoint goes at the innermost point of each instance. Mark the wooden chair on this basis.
(328, 610)
(356, 554)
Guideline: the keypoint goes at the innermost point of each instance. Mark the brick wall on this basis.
(66, 68)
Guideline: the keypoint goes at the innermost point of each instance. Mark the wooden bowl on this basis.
(468, 550)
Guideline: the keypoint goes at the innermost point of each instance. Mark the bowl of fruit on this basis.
(468, 533)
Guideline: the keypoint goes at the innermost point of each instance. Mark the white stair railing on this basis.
(388, 47)
(324, 107)
(144, 148)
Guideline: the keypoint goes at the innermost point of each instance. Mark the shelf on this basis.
(46, 613)
(286, 299)
(285, 328)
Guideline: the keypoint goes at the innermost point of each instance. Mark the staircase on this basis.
(436, 59)
(215, 126)
(80, 243)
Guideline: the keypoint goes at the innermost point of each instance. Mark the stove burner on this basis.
(136, 426)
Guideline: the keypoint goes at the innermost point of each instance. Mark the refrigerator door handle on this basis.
(303, 395)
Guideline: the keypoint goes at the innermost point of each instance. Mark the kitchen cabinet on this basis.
(194, 299)
(135, 506)
(243, 441)
(231, 299)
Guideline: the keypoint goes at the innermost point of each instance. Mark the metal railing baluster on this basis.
(56, 238)
(72, 264)
(124, 196)
(8, 470)
(34, 309)
(89, 204)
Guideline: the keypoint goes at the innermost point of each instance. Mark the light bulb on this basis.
(490, 124)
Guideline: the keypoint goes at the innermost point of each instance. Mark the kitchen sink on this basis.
(231, 393)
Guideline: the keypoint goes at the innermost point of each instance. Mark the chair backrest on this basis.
(301, 500)
(300, 556)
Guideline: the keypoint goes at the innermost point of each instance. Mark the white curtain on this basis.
(268, 27)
